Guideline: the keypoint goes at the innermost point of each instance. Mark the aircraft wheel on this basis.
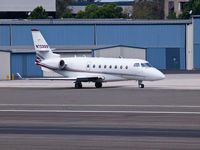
(78, 85)
(98, 84)
(141, 86)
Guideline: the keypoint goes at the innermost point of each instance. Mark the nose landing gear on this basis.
(140, 85)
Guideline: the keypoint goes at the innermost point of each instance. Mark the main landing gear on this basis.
(98, 84)
(140, 85)
(78, 85)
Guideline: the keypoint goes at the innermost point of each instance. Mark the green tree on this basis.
(80, 14)
(91, 11)
(106, 11)
(38, 13)
(112, 11)
(66, 15)
(172, 16)
(144, 9)
(62, 10)
(190, 8)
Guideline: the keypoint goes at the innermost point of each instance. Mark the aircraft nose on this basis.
(159, 75)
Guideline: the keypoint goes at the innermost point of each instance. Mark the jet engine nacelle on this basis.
(54, 63)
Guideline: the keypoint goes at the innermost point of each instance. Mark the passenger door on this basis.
(172, 58)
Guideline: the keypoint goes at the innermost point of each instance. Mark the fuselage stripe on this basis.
(73, 70)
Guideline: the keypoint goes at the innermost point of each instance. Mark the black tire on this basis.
(78, 85)
(141, 85)
(98, 84)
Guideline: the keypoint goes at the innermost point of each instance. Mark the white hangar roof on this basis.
(26, 5)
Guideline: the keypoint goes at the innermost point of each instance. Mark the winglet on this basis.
(19, 76)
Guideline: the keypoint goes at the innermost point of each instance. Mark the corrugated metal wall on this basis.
(4, 35)
(133, 35)
(157, 57)
(54, 34)
(197, 43)
(182, 58)
(156, 38)
(25, 65)
(142, 35)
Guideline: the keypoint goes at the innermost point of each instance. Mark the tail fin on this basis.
(43, 51)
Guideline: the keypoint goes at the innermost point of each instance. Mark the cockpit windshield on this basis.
(145, 65)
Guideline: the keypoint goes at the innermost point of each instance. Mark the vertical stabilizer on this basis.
(42, 49)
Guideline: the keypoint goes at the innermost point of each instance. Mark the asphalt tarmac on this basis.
(98, 131)
(116, 117)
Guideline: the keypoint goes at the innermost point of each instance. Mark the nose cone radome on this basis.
(158, 75)
(154, 74)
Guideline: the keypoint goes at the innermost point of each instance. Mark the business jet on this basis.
(92, 69)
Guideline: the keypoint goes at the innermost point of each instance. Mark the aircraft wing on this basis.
(50, 78)
(81, 78)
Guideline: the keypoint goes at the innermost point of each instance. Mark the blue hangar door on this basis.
(172, 58)
(25, 65)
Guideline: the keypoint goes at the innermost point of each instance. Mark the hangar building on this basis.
(166, 44)
(11, 9)
(77, 6)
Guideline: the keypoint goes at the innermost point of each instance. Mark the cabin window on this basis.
(126, 67)
(99, 66)
(105, 66)
(93, 66)
(110, 66)
(88, 66)
(115, 66)
(121, 67)
(146, 65)
(136, 65)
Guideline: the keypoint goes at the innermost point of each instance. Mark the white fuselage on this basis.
(98, 70)
(109, 69)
